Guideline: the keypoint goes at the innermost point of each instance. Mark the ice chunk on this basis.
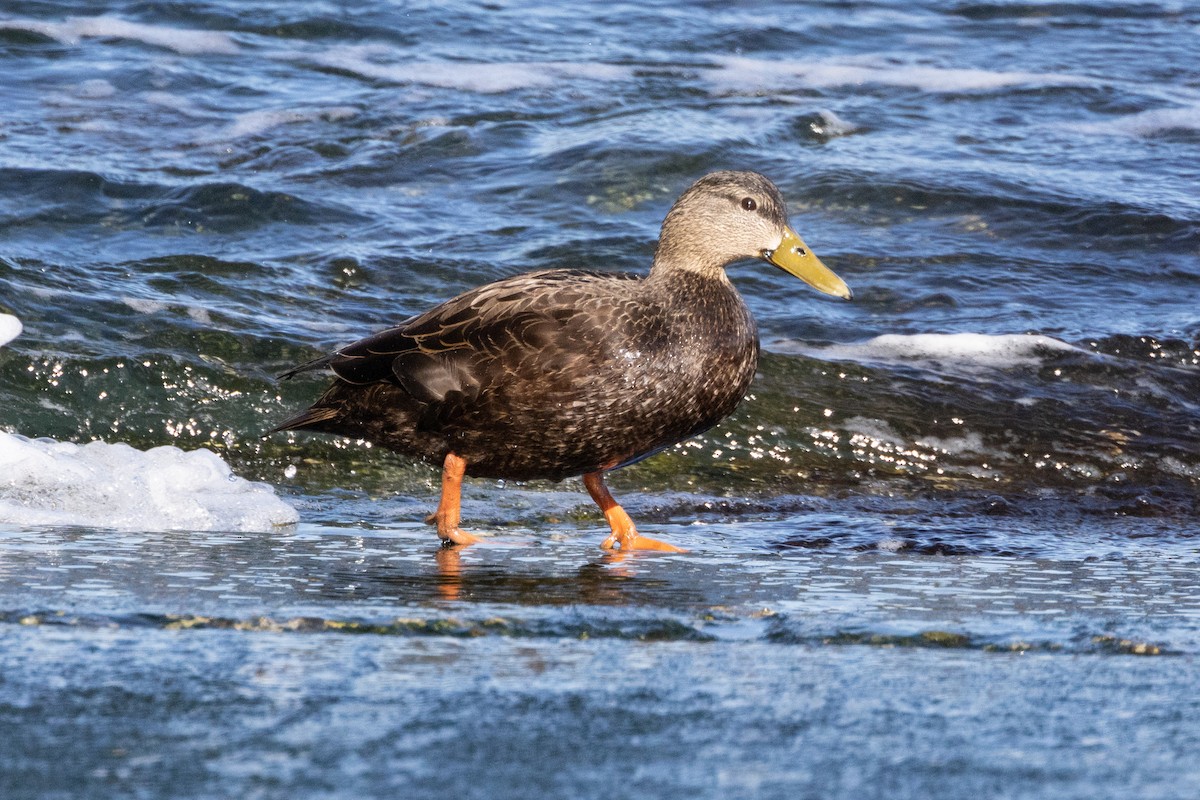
(10, 328)
(46, 482)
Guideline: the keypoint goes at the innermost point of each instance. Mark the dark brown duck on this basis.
(564, 372)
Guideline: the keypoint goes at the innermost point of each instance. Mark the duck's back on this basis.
(549, 374)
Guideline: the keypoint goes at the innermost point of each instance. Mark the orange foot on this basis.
(457, 536)
(449, 509)
(638, 542)
(624, 534)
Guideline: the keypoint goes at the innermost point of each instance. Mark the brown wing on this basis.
(513, 330)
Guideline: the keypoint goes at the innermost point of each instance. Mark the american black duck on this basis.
(570, 372)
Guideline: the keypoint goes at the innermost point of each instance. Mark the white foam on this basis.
(174, 102)
(969, 443)
(10, 328)
(200, 314)
(45, 482)
(877, 431)
(970, 349)
(739, 73)
(1147, 123)
(253, 123)
(74, 29)
(373, 61)
(95, 89)
(877, 440)
(144, 305)
(830, 125)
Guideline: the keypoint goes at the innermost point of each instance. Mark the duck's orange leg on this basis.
(449, 510)
(624, 535)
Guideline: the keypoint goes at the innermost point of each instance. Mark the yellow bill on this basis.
(793, 257)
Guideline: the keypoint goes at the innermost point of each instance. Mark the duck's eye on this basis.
(749, 204)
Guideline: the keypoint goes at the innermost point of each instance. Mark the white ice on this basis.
(102, 485)
(10, 328)
(46, 482)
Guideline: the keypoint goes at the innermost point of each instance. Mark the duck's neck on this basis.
(672, 260)
(686, 246)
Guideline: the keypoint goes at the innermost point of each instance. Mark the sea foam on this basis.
(376, 62)
(960, 349)
(1147, 124)
(740, 73)
(73, 29)
(254, 123)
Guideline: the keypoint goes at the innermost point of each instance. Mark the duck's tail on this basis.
(308, 366)
(312, 418)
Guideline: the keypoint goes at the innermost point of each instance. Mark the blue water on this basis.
(946, 547)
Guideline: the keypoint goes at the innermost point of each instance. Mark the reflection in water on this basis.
(609, 577)
(449, 561)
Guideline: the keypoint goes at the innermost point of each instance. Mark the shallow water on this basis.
(947, 546)
(349, 662)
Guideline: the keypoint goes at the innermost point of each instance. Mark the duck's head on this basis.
(731, 216)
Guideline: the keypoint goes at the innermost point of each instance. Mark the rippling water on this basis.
(924, 553)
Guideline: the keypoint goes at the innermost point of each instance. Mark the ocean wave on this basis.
(1044, 13)
(972, 411)
(74, 29)
(1146, 124)
(961, 349)
(378, 62)
(254, 123)
(743, 73)
(999, 203)
(48, 196)
(967, 411)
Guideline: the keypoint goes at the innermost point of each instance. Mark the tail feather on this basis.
(307, 419)
(308, 366)
(311, 417)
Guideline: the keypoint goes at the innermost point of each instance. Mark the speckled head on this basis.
(729, 216)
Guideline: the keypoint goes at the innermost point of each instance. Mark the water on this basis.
(947, 547)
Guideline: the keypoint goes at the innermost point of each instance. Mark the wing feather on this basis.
(447, 356)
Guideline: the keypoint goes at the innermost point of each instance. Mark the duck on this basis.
(565, 373)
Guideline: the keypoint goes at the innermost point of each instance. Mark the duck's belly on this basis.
(616, 419)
